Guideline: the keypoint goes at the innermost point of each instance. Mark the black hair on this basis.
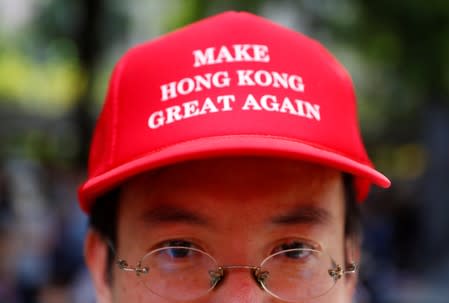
(104, 215)
(103, 219)
(352, 209)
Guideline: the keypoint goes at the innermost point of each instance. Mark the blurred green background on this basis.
(55, 60)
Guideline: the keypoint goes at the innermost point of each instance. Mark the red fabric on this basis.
(237, 84)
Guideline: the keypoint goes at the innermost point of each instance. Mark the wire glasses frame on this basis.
(186, 273)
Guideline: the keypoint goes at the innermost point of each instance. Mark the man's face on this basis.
(238, 210)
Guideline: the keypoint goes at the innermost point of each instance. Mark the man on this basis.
(225, 167)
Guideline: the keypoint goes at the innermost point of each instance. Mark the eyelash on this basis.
(291, 243)
(179, 243)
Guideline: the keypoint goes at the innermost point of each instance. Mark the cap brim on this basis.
(235, 145)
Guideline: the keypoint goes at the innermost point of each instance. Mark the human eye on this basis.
(291, 258)
(178, 248)
(294, 249)
(175, 255)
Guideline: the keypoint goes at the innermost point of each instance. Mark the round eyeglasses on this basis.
(185, 273)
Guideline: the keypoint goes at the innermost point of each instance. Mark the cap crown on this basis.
(231, 84)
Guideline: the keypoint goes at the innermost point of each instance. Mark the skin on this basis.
(244, 208)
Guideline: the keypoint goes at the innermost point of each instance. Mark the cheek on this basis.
(127, 287)
(338, 294)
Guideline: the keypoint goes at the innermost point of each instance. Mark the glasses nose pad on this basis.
(260, 276)
(215, 276)
(336, 273)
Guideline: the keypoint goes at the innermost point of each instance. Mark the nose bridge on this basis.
(247, 271)
(238, 286)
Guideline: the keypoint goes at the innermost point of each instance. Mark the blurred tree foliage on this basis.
(55, 57)
(409, 39)
(92, 26)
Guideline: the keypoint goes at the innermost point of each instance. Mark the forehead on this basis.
(239, 184)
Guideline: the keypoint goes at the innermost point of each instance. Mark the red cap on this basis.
(231, 84)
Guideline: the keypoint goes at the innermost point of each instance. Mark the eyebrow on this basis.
(308, 214)
(173, 214)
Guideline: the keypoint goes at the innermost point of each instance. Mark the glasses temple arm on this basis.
(351, 268)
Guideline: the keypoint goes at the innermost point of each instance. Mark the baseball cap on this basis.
(231, 84)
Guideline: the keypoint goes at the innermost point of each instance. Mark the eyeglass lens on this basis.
(296, 274)
(178, 273)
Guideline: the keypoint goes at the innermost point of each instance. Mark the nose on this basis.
(238, 286)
